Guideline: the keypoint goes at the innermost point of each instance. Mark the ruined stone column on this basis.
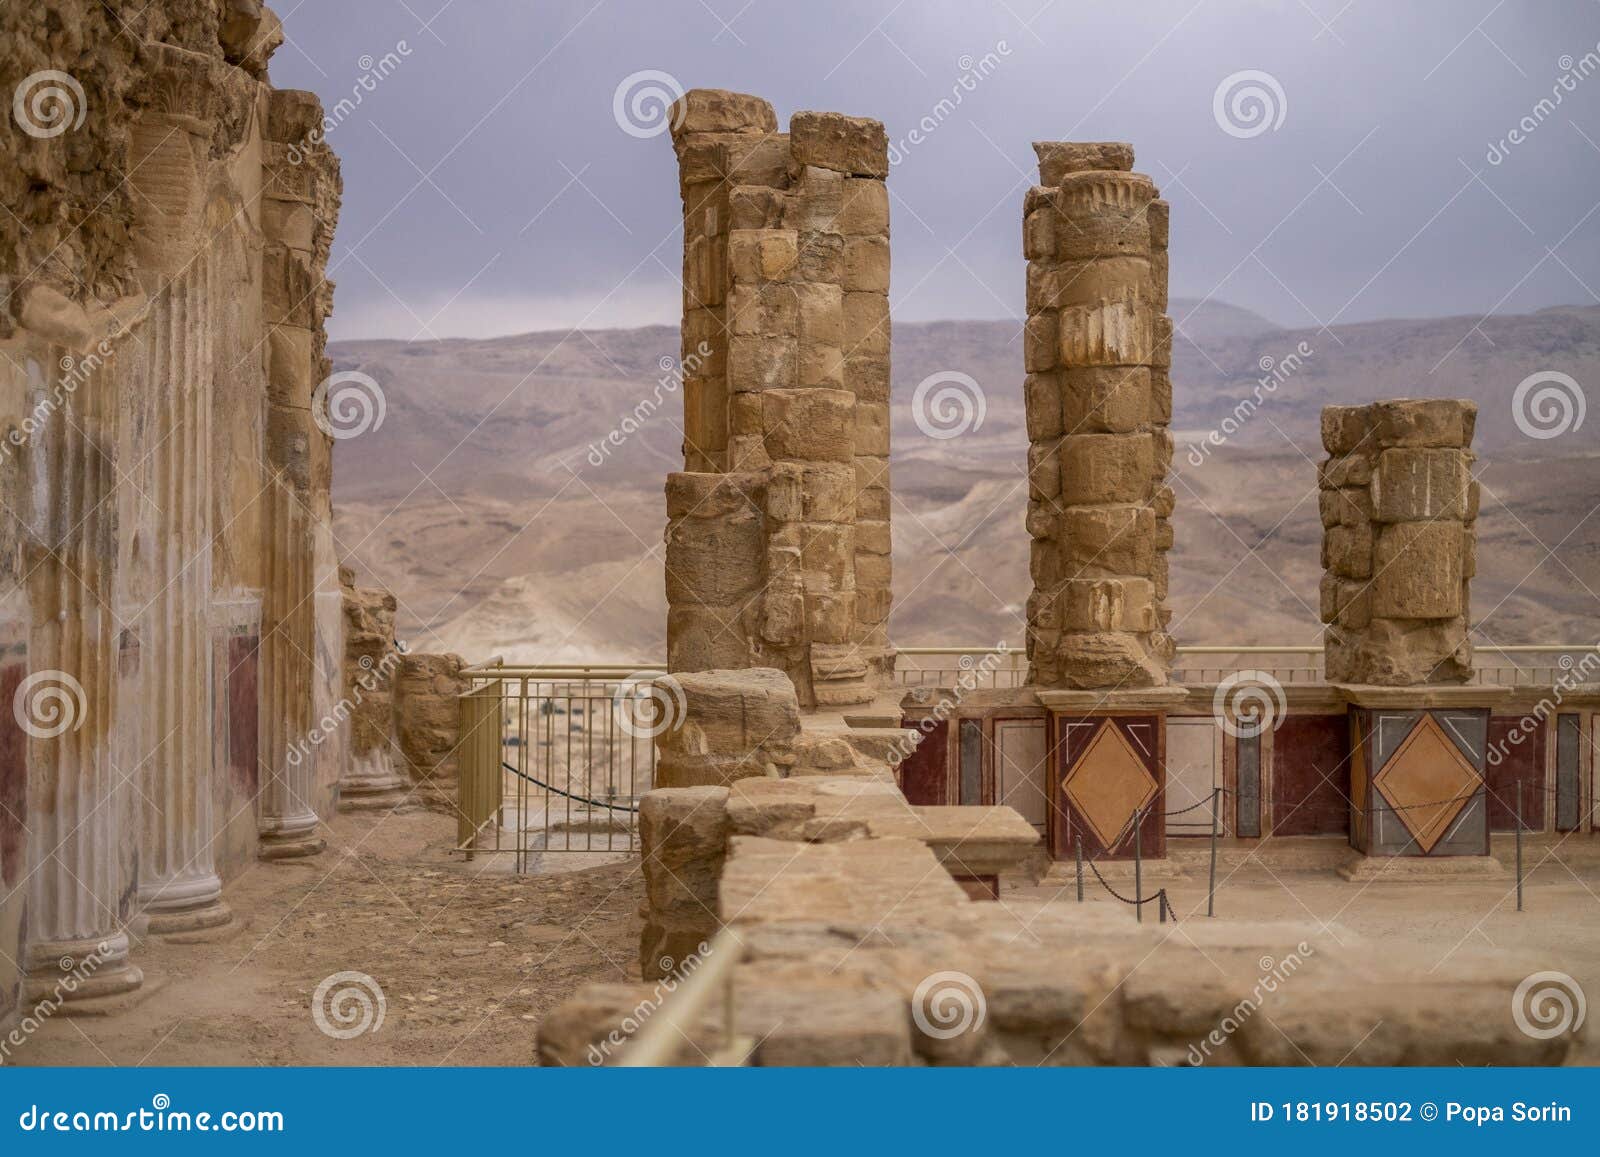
(1398, 542)
(296, 452)
(1098, 399)
(1399, 505)
(179, 888)
(780, 522)
(78, 896)
(370, 779)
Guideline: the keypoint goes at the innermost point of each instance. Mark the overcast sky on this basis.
(489, 187)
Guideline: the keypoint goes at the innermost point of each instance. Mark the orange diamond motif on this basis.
(1428, 781)
(1109, 783)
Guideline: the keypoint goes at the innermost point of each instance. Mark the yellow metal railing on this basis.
(552, 759)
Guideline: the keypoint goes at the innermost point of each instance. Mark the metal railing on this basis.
(552, 759)
(1531, 665)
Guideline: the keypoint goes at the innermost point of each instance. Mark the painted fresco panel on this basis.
(924, 773)
(1512, 762)
(1311, 776)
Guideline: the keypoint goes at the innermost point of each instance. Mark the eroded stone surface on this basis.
(1399, 509)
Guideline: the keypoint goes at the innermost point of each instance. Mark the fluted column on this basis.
(179, 889)
(77, 903)
(291, 293)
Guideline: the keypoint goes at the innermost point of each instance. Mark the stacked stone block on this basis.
(1399, 506)
(778, 529)
(1098, 399)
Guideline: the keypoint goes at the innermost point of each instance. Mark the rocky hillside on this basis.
(490, 503)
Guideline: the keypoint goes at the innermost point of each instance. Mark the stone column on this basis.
(785, 340)
(179, 888)
(1399, 505)
(78, 896)
(293, 286)
(1398, 542)
(1098, 399)
(1098, 402)
(370, 779)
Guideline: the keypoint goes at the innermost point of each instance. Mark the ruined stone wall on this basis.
(141, 269)
(1098, 398)
(427, 715)
(1399, 507)
(778, 530)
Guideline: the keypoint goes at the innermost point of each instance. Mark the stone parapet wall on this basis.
(855, 948)
(1399, 542)
(1098, 398)
(778, 544)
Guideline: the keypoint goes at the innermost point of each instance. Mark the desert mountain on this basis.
(490, 501)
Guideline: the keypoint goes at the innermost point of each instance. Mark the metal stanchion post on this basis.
(1211, 888)
(1519, 845)
(1138, 867)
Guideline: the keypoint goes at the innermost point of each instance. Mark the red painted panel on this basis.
(1509, 762)
(243, 712)
(13, 778)
(1311, 776)
(923, 773)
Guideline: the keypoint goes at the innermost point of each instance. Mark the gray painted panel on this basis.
(1568, 788)
(1249, 786)
(971, 782)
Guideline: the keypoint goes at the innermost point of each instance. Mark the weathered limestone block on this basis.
(1398, 507)
(855, 146)
(427, 691)
(683, 836)
(734, 724)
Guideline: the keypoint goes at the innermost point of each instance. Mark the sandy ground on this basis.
(468, 956)
(1558, 930)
